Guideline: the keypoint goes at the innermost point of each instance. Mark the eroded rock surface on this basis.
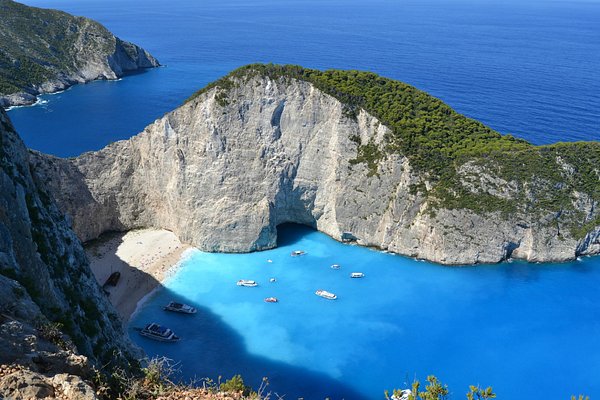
(224, 170)
(54, 318)
(44, 51)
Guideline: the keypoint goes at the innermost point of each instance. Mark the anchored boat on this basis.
(336, 266)
(156, 332)
(402, 395)
(180, 308)
(244, 282)
(325, 294)
(297, 253)
(271, 300)
(357, 275)
(113, 279)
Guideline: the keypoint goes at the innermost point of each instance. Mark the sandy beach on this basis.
(143, 257)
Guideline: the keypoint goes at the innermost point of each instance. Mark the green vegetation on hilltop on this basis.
(423, 127)
(439, 141)
(37, 45)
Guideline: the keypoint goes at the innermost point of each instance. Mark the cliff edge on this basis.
(44, 51)
(55, 322)
(351, 154)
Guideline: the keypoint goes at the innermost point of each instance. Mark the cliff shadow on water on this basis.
(212, 351)
(209, 347)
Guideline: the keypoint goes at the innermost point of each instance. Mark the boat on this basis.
(357, 275)
(336, 266)
(244, 282)
(272, 280)
(271, 300)
(297, 253)
(180, 307)
(325, 294)
(401, 394)
(156, 332)
(113, 279)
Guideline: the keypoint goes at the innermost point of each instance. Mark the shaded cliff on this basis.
(44, 51)
(341, 151)
(47, 289)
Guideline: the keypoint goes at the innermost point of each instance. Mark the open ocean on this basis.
(530, 68)
(527, 68)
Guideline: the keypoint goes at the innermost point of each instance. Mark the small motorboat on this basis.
(297, 253)
(271, 300)
(180, 308)
(357, 275)
(336, 266)
(248, 283)
(401, 394)
(156, 332)
(325, 294)
(272, 280)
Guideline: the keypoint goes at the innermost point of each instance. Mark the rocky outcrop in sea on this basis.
(45, 51)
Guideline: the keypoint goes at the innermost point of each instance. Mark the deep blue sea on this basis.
(527, 68)
(530, 68)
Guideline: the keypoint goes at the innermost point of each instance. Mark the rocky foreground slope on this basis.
(268, 145)
(46, 291)
(44, 51)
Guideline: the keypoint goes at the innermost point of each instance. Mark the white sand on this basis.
(143, 257)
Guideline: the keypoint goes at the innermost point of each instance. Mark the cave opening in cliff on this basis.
(289, 233)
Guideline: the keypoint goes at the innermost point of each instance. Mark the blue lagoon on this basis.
(531, 331)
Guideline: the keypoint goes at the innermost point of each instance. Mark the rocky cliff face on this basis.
(44, 51)
(226, 168)
(46, 289)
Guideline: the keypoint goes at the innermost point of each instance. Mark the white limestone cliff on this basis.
(223, 174)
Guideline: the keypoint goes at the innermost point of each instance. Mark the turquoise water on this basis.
(531, 331)
(524, 67)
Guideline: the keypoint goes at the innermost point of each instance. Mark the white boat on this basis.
(272, 280)
(297, 253)
(156, 332)
(336, 266)
(180, 307)
(402, 395)
(357, 275)
(244, 282)
(325, 294)
(271, 300)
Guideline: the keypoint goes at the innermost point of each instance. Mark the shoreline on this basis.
(38, 102)
(144, 258)
(32, 98)
(168, 273)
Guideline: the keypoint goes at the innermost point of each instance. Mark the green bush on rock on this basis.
(438, 141)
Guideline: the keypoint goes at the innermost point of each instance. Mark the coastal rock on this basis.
(226, 168)
(52, 310)
(57, 50)
(26, 385)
